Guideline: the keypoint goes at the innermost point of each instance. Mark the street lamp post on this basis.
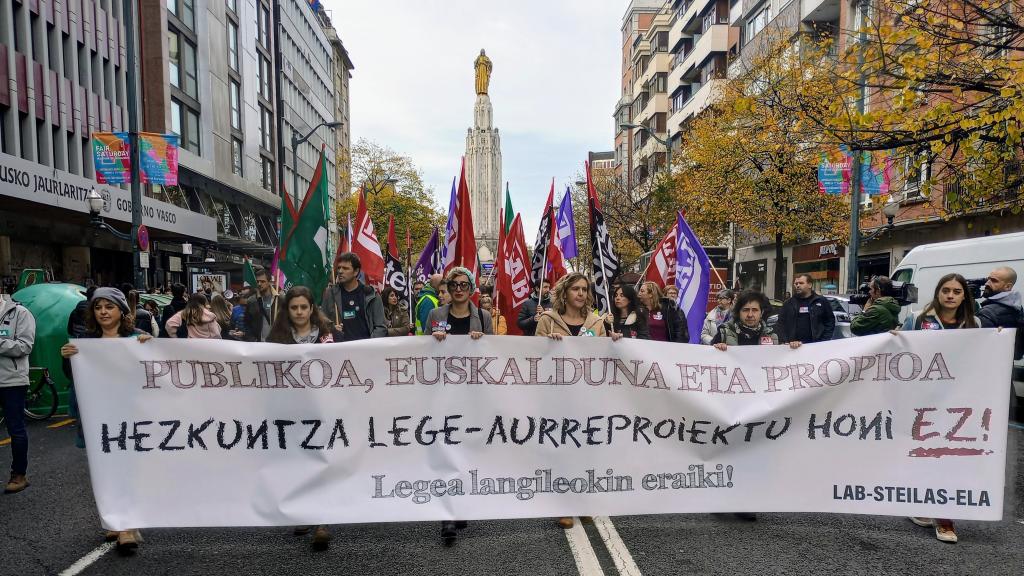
(666, 143)
(295, 155)
(94, 201)
(890, 209)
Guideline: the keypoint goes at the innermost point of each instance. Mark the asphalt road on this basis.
(52, 525)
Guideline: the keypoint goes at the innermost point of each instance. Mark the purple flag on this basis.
(693, 278)
(449, 229)
(567, 227)
(428, 263)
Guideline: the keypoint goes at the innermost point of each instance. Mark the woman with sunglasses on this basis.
(459, 318)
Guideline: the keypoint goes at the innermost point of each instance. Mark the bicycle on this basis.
(41, 398)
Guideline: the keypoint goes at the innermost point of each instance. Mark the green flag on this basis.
(303, 252)
(248, 274)
(509, 214)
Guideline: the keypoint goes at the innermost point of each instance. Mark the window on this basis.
(182, 63)
(233, 6)
(233, 45)
(173, 57)
(185, 123)
(236, 105)
(236, 156)
(916, 173)
(264, 26)
(263, 77)
(184, 11)
(758, 22)
(268, 174)
(266, 129)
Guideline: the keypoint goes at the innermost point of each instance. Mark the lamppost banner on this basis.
(111, 154)
(221, 433)
(158, 158)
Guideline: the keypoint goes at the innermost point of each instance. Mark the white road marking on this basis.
(88, 560)
(616, 547)
(582, 551)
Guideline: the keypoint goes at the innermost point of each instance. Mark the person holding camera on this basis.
(881, 312)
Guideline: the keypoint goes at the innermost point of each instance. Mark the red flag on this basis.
(366, 246)
(662, 268)
(465, 241)
(499, 259)
(591, 191)
(513, 276)
(392, 239)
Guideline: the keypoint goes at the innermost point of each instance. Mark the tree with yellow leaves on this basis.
(943, 84)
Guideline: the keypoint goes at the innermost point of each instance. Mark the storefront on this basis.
(44, 224)
(753, 274)
(871, 265)
(821, 261)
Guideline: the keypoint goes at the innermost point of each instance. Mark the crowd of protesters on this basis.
(444, 305)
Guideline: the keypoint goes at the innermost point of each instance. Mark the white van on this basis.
(972, 258)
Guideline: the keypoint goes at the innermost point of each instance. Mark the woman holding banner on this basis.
(951, 308)
(304, 323)
(665, 321)
(459, 317)
(571, 314)
(109, 316)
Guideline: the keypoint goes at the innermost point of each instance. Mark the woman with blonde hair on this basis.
(221, 308)
(571, 314)
(497, 319)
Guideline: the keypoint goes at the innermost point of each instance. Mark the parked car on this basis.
(843, 310)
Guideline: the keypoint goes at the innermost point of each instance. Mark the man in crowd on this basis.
(1002, 305)
(356, 309)
(177, 305)
(426, 300)
(881, 313)
(17, 335)
(529, 313)
(807, 317)
(262, 308)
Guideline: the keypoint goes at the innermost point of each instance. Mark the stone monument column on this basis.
(483, 164)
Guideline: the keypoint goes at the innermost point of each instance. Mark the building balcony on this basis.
(698, 102)
(675, 33)
(690, 22)
(819, 10)
(660, 62)
(657, 103)
(715, 40)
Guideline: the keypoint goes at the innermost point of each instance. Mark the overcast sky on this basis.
(553, 89)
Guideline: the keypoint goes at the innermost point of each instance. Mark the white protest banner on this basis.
(218, 433)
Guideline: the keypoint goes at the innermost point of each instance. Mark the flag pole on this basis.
(544, 265)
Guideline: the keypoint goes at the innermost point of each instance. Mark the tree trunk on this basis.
(780, 269)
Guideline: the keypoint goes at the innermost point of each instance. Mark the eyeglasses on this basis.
(459, 285)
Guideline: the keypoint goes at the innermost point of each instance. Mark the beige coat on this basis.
(552, 323)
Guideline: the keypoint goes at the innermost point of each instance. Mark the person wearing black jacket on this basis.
(356, 309)
(807, 317)
(665, 320)
(627, 317)
(177, 305)
(529, 313)
(261, 309)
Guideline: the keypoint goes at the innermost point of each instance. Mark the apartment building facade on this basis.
(635, 23)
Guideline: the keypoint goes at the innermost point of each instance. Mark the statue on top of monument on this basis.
(483, 72)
